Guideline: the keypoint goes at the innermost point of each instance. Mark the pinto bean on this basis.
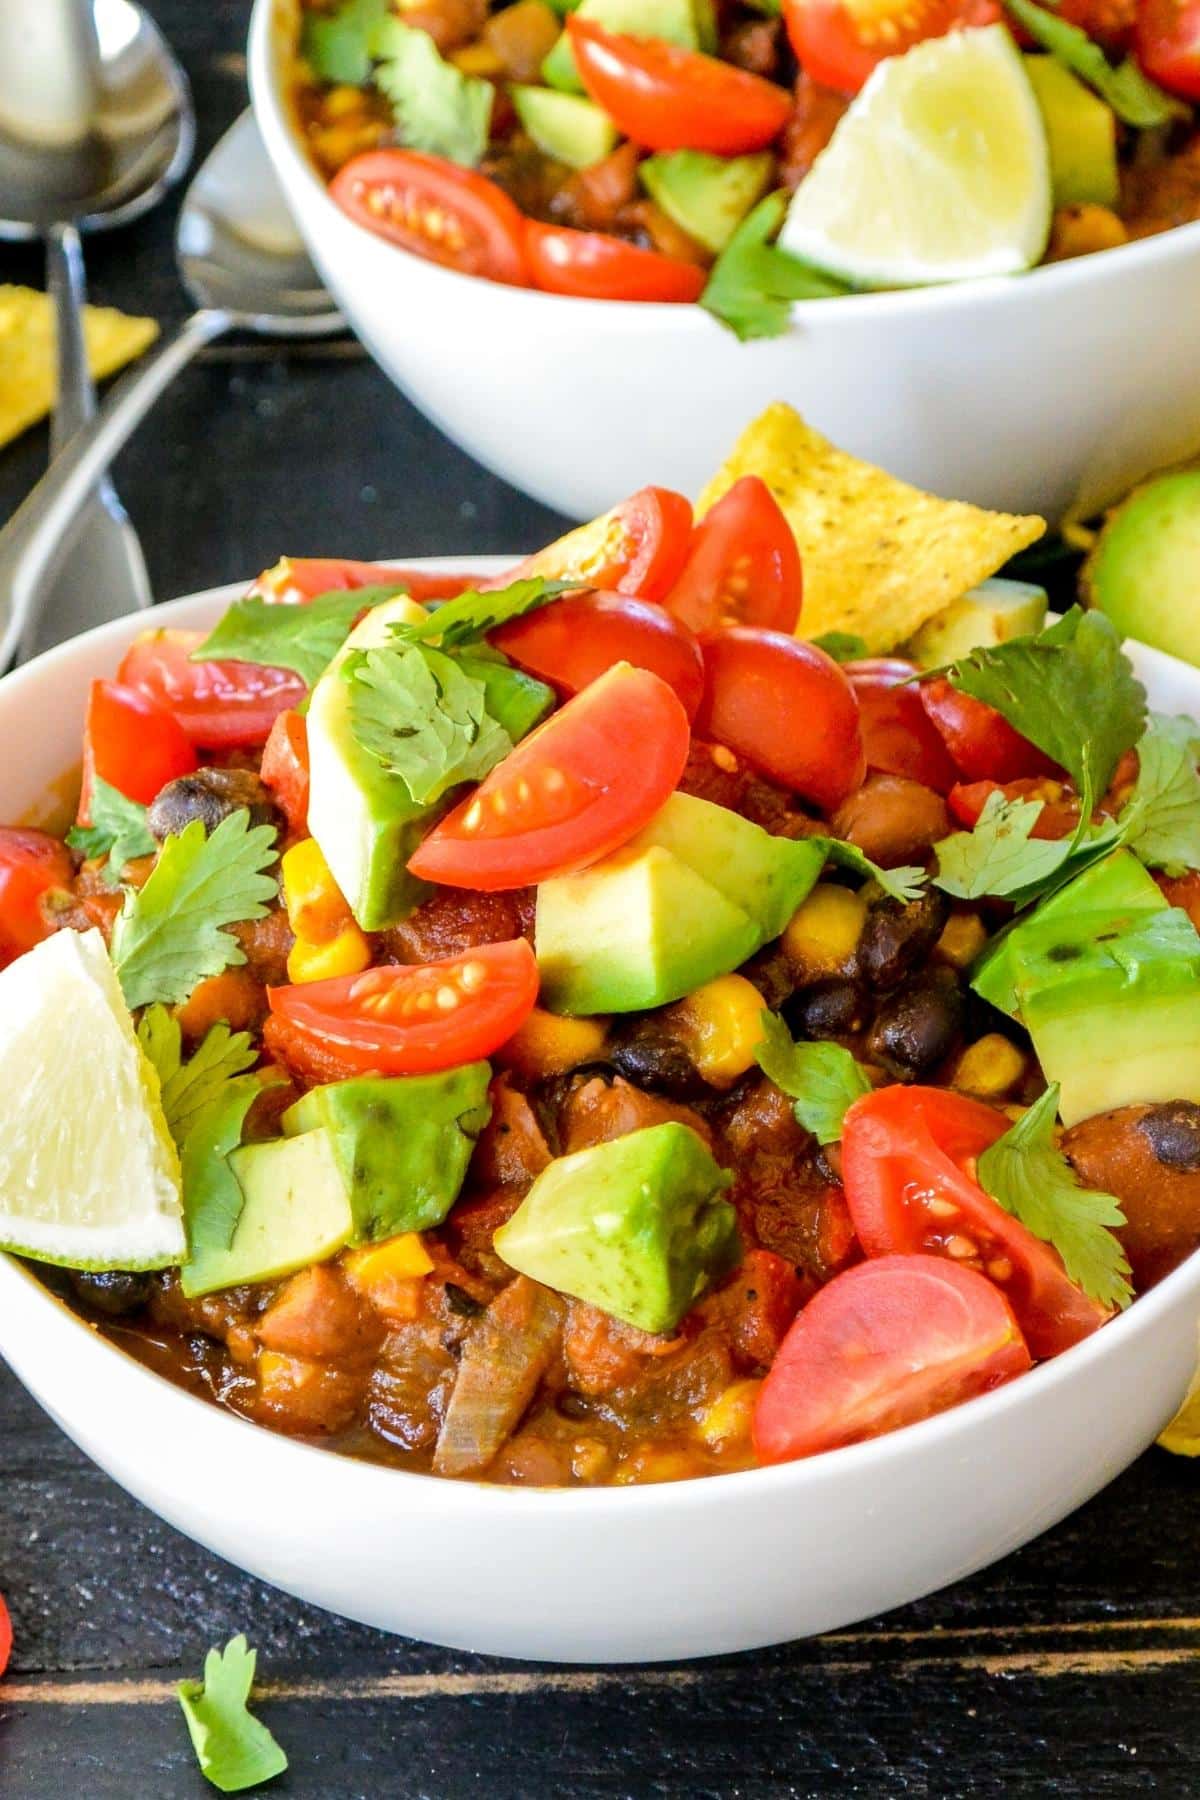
(892, 820)
(1149, 1158)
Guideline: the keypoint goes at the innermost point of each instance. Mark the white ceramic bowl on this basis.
(1039, 394)
(600, 1575)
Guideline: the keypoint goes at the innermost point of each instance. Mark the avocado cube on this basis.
(296, 1211)
(401, 1143)
(636, 1226)
(707, 196)
(1081, 135)
(765, 876)
(682, 22)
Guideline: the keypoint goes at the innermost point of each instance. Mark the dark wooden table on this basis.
(1072, 1669)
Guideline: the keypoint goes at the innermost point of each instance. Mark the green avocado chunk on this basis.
(296, 1211)
(1144, 568)
(674, 21)
(765, 876)
(572, 130)
(990, 614)
(1081, 135)
(707, 196)
(636, 1226)
(401, 1143)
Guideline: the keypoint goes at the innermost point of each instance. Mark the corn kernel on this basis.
(316, 906)
(721, 1024)
(962, 939)
(728, 1419)
(548, 1045)
(391, 1275)
(477, 59)
(989, 1068)
(822, 934)
(346, 954)
(343, 102)
(646, 1466)
(1079, 230)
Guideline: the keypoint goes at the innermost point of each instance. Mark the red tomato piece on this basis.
(839, 42)
(132, 743)
(572, 642)
(221, 705)
(285, 768)
(5, 1636)
(885, 1344)
(743, 567)
(898, 735)
(908, 1164)
(1167, 39)
(592, 265)
(983, 744)
(293, 580)
(638, 548)
(667, 98)
(415, 1018)
(1058, 818)
(32, 863)
(444, 213)
(579, 786)
(787, 708)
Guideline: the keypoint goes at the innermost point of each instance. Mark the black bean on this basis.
(896, 938)
(1173, 1133)
(210, 795)
(917, 1027)
(112, 1292)
(830, 1009)
(645, 1052)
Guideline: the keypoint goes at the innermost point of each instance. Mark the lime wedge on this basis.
(938, 171)
(1182, 1435)
(89, 1176)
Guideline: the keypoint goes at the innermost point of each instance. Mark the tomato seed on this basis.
(961, 1248)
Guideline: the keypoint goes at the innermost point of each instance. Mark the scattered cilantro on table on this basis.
(234, 1749)
(1134, 98)
(423, 718)
(753, 283)
(1027, 1174)
(189, 1087)
(118, 829)
(822, 1079)
(170, 934)
(304, 638)
(438, 109)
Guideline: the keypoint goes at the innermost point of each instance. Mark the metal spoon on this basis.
(96, 124)
(243, 263)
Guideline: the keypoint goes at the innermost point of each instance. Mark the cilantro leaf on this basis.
(1027, 1174)
(1131, 94)
(188, 1087)
(753, 283)
(170, 933)
(1000, 856)
(823, 1079)
(903, 884)
(1161, 818)
(234, 1749)
(438, 109)
(843, 646)
(423, 718)
(337, 45)
(1070, 690)
(304, 639)
(212, 1198)
(118, 826)
(470, 616)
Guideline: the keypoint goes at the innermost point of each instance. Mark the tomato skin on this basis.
(667, 98)
(294, 580)
(787, 708)
(591, 265)
(1057, 819)
(898, 735)
(132, 743)
(32, 863)
(437, 210)
(743, 567)
(285, 768)
(905, 1146)
(372, 1021)
(839, 42)
(984, 746)
(573, 641)
(6, 1636)
(637, 548)
(220, 705)
(578, 787)
(1167, 40)
(885, 1344)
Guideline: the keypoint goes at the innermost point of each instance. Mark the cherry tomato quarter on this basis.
(220, 705)
(983, 745)
(132, 743)
(32, 864)
(436, 209)
(6, 1636)
(787, 708)
(578, 787)
(899, 737)
(743, 567)
(415, 1018)
(576, 639)
(294, 580)
(1167, 39)
(1058, 818)
(839, 42)
(593, 265)
(908, 1164)
(638, 548)
(285, 768)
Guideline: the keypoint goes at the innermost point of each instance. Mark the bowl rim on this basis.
(874, 1454)
(270, 40)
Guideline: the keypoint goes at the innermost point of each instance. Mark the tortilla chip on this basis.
(27, 372)
(880, 557)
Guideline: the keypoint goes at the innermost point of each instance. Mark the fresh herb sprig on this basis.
(304, 639)
(190, 1085)
(753, 284)
(118, 829)
(423, 718)
(1134, 98)
(822, 1079)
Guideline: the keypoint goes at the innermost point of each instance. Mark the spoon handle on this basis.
(31, 537)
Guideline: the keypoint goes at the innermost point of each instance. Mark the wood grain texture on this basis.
(1072, 1669)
